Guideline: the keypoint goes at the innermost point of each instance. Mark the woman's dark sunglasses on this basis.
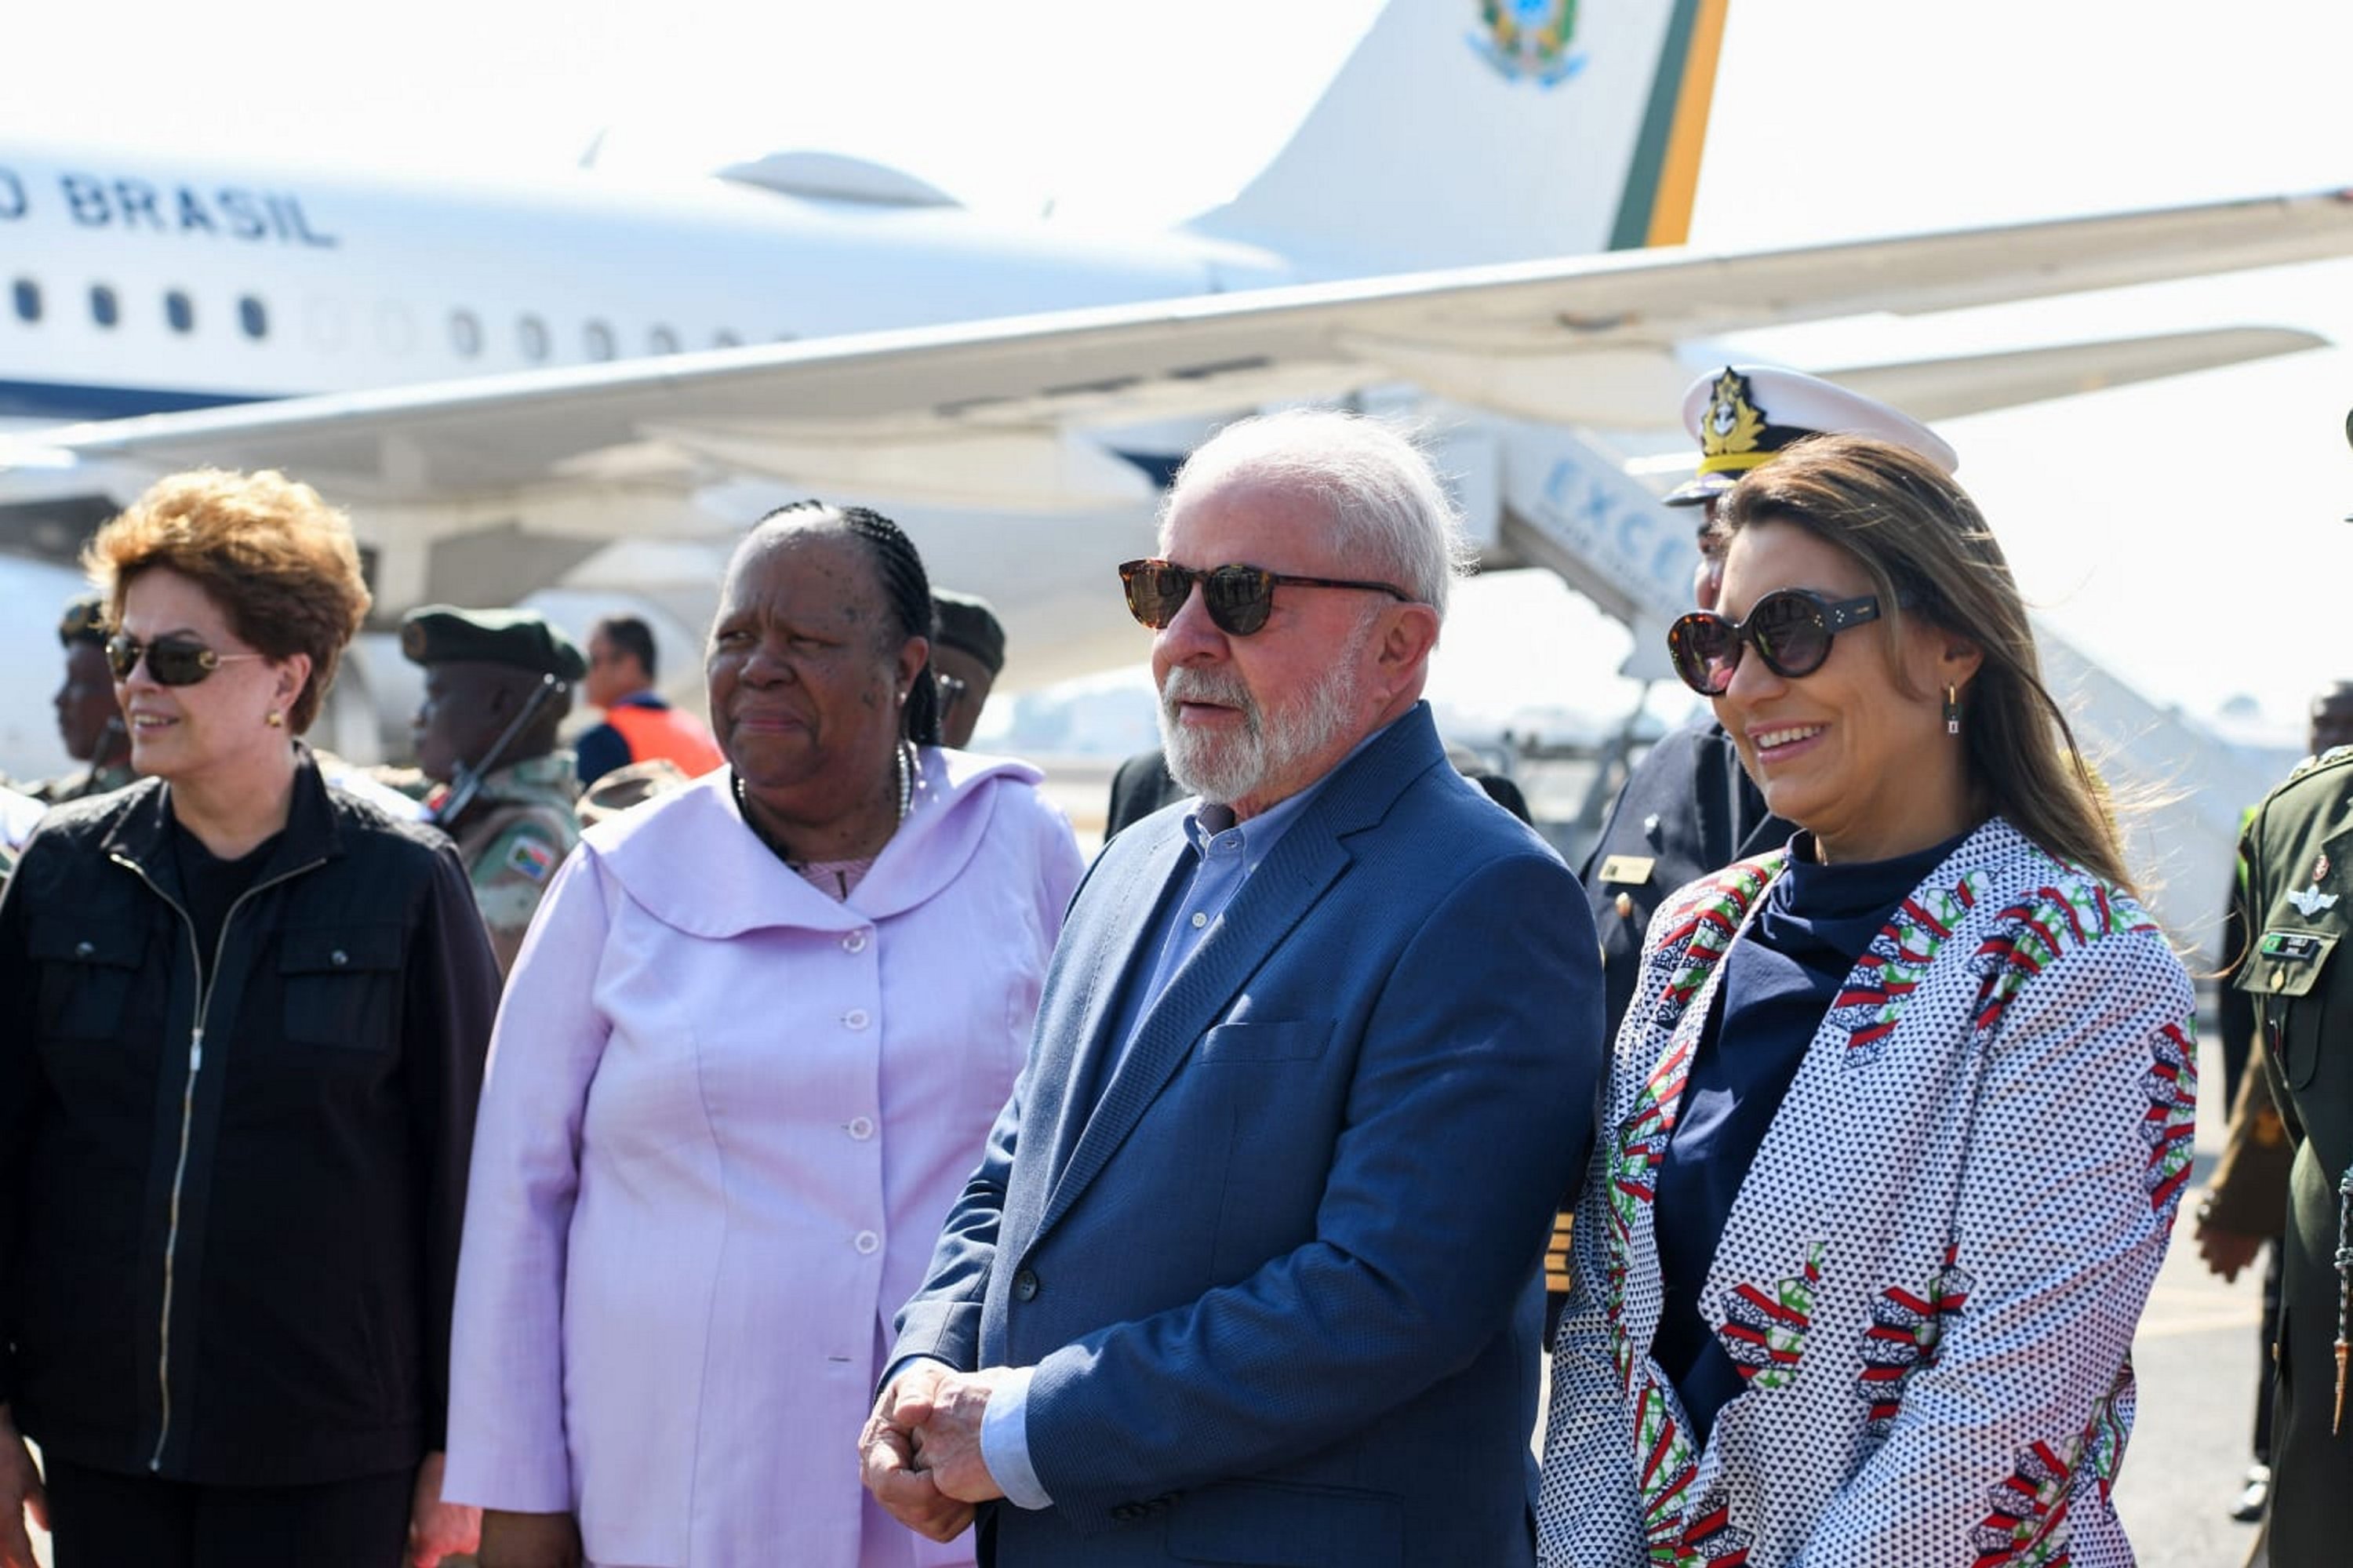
(1239, 598)
(1789, 627)
(171, 661)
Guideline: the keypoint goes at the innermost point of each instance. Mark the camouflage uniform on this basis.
(519, 824)
(515, 831)
(83, 783)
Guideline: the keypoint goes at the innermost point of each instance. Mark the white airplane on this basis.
(591, 387)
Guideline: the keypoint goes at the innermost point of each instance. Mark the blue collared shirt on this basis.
(1228, 853)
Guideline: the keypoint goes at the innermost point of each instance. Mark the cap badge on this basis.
(1732, 426)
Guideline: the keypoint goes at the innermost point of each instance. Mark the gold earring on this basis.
(1952, 709)
(276, 720)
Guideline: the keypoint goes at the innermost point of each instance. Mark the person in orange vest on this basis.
(639, 725)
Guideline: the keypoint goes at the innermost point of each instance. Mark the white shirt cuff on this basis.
(1005, 1442)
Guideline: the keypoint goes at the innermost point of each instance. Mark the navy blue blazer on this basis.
(1277, 1278)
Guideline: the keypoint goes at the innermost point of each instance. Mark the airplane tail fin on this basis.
(1462, 132)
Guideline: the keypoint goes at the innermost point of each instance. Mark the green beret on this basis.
(83, 621)
(969, 623)
(442, 634)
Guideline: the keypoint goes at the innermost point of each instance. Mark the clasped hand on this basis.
(920, 1451)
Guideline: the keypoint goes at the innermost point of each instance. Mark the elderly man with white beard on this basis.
(1248, 1270)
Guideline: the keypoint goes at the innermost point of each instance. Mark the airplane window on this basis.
(722, 338)
(328, 325)
(533, 334)
(180, 310)
(599, 339)
(28, 299)
(661, 340)
(465, 332)
(253, 316)
(395, 330)
(104, 309)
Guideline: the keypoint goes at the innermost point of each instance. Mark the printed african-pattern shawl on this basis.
(1931, 1276)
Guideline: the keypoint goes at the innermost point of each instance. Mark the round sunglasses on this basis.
(1791, 628)
(1239, 598)
(171, 661)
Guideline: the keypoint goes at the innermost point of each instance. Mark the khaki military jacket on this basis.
(2300, 974)
(515, 833)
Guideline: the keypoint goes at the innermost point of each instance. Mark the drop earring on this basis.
(1952, 709)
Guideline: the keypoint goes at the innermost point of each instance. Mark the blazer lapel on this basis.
(1276, 897)
(1115, 962)
(1309, 858)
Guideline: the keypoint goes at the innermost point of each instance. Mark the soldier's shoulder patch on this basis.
(533, 857)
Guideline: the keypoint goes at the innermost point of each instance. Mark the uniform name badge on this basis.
(2289, 961)
(1631, 869)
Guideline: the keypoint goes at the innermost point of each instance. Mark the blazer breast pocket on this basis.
(2291, 976)
(1291, 1040)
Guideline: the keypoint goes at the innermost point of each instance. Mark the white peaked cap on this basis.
(1744, 416)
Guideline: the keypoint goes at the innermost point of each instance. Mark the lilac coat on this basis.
(725, 1118)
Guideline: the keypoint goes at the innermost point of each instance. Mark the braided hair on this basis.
(906, 590)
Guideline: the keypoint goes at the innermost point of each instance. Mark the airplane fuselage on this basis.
(134, 285)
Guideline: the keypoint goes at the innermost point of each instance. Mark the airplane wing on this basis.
(1935, 389)
(987, 413)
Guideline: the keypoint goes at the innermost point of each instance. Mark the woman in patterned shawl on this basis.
(1898, 1120)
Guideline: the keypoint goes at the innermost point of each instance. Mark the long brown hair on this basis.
(1930, 554)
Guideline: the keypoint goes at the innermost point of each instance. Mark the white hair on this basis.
(1388, 506)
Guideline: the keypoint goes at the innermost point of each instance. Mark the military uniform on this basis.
(2300, 977)
(1688, 808)
(83, 624)
(83, 783)
(516, 822)
(513, 835)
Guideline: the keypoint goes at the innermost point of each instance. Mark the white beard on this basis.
(1223, 769)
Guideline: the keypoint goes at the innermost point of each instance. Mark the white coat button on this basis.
(1200, 919)
(854, 942)
(863, 1128)
(855, 1018)
(867, 1241)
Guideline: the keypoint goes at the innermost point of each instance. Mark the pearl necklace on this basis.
(903, 768)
